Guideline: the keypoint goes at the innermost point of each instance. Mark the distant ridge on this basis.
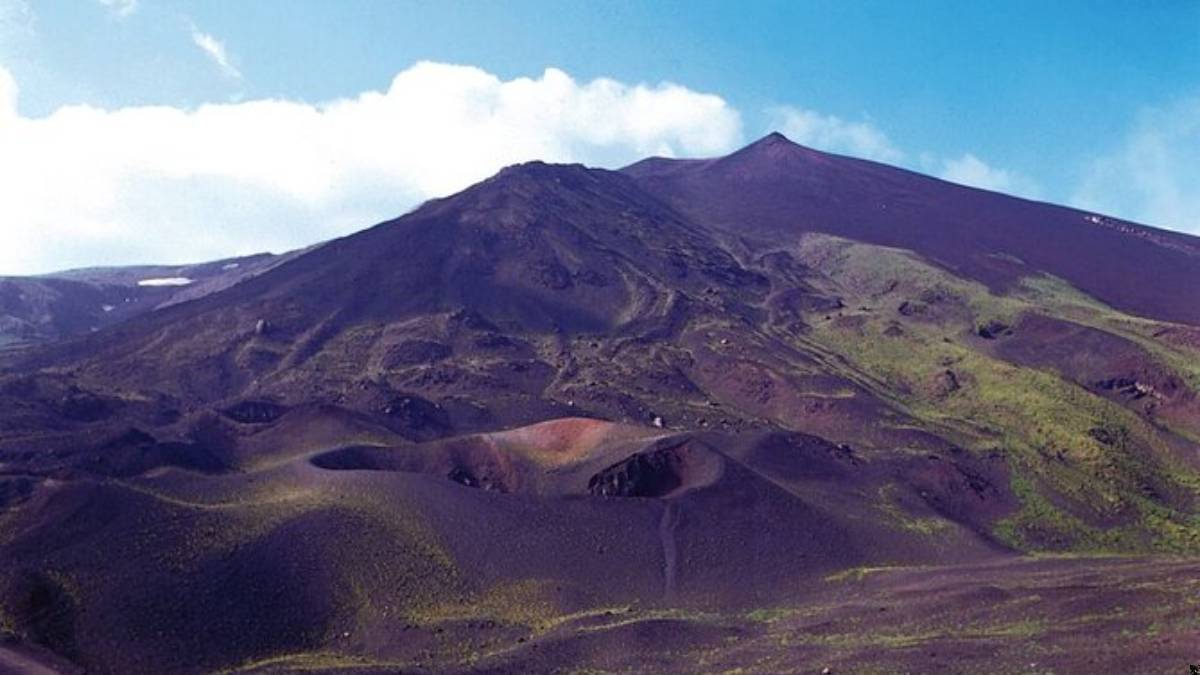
(774, 187)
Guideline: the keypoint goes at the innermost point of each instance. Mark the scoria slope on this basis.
(775, 190)
(34, 310)
(690, 416)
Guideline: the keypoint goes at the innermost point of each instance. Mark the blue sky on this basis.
(1095, 104)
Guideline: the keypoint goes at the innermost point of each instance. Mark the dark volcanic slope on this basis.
(689, 417)
(512, 270)
(76, 302)
(775, 188)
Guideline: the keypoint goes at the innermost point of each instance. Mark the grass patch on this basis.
(1065, 444)
(860, 573)
(926, 525)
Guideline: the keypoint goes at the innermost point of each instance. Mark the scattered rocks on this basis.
(658, 472)
(1112, 436)
(945, 383)
(591, 277)
(648, 474)
(84, 406)
(1127, 386)
(994, 329)
(496, 341)
(471, 320)
(552, 274)
(254, 412)
(415, 352)
(418, 417)
(15, 490)
(462, 477)
(820, 303)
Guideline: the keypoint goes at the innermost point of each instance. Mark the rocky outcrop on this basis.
(657, 473)
(994, 329)
(1128, 387)
(944, 384)
(415, 352)
(648, 474)
(417, 418)
(254, 412)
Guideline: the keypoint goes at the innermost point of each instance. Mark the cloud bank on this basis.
(158, 184)
(163, 184)
(1153, 175)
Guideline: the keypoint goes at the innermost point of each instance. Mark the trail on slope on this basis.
(666, 534)
(13, 661)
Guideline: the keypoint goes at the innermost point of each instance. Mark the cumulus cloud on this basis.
(833, 134)
(120, 8)
(970, 170)
(1153, 174)
(865, 140)
(86, 186)
(214, 49)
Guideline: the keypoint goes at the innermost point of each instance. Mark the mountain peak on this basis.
(539, 170)
(774, 148)
(771, 156)
(774, 142)
(774, 138)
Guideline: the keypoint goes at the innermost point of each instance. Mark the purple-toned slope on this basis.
(777, 189)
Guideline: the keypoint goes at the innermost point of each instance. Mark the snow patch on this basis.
(230, 266)
(107, 308)
(165, 281)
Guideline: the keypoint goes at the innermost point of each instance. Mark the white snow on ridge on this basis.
(165, 281)
(230, 266)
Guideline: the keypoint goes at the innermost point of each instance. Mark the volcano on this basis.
(779, 411)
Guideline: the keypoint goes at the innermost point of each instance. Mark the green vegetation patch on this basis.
(1084, 467)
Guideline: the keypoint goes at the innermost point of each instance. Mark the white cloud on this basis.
(86, 186)
(1153, 175)
(972, 171)
(215, 50)
(120, 8)
(865, 140)
(833, 134)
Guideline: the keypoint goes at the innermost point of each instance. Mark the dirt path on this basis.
(13, 662)
(666, 534)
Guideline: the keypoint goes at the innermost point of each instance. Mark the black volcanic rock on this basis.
(994, 329)
(417, 417)
(254, 412)
(648, 474)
